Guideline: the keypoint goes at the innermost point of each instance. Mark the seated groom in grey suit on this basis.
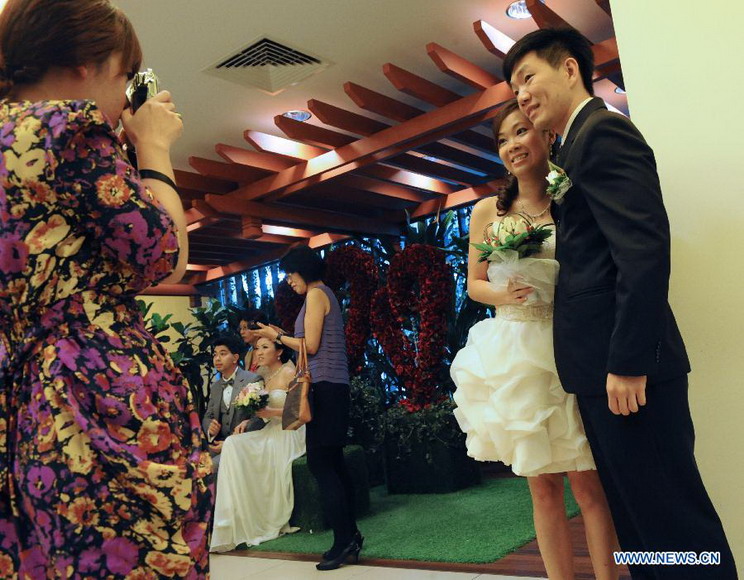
(222, 416)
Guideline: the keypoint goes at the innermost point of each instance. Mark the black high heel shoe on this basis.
(358, 537)
(349, 552)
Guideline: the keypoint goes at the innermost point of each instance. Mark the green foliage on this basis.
(407, 429)
(191, 352)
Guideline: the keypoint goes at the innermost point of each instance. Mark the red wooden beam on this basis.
(462, 197)
(312, 134)
(495, 41)
(419, 87)
(433, 168)
(288, 232)
(408, 178)
(326, 137)
(198, 182)
(281, 146)
(255, 159)
(460, 68)
(171, 290)
(375, 102)
(543, 16)
(228, 171)
(304, 216)
(243, 265)
(382, 188)
(343, 119)
(426, 128)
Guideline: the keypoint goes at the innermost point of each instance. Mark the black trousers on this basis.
(326, 436)
(648, 470)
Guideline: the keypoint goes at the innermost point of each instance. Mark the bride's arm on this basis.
(479, 289)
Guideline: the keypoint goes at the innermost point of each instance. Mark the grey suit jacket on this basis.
(229, 417)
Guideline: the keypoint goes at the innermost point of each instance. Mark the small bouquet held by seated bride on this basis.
(253, 397)
(509, 251)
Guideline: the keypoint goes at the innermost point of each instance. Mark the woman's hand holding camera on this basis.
(155, 125)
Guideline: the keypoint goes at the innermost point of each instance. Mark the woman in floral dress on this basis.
(102, 459)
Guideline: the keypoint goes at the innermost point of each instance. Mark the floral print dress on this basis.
(103, 467)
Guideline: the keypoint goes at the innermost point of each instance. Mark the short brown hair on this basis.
(36, 35)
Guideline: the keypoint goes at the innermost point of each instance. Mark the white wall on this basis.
(683, 72)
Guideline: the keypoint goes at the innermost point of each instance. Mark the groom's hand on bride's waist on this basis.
(625, 395)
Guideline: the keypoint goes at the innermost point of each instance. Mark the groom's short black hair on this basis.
(554, 45)
(232, 344)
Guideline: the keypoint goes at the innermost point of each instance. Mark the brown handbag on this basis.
(297, 404)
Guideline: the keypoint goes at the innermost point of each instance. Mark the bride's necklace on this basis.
(535, 216)
(267, 380)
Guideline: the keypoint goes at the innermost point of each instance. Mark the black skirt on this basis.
(330, 404)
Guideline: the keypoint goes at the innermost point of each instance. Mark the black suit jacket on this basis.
(611, 308)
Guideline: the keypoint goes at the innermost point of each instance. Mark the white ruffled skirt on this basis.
(510, 402)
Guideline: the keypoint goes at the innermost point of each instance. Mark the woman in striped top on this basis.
(321, 325)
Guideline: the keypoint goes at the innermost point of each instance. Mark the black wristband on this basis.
(152, 174)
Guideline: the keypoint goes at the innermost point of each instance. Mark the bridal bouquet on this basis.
(253, 397)
(509, 249)
(514, 234)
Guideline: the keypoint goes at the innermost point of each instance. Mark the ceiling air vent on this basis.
(268, 65)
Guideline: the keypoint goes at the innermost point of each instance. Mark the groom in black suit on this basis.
(617, 345)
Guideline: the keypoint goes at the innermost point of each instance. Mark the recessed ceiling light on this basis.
(297, 115)
(620, 90)
(518, 10)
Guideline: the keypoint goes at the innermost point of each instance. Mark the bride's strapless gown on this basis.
(255, 496)
(510, 402)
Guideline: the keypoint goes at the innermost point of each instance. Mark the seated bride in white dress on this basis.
(509, 398)
(255, 496)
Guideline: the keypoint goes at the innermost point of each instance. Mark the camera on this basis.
(144, 86)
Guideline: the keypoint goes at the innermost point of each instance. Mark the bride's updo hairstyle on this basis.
(285, 354)
(506, 195)
(38, 35)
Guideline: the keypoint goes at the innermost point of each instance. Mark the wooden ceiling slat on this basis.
(198, 267)
(399, 111)
(243, 265)
(303, 216)
(345, 120)
(375, 102)
(312, 134)
(419, 87)
(361, 125)
(171, 290)
(281, 146)
(460, 68)
(408, 178)
(326, 137)
(383, 188)
(543, 16)
(426, 128)
(202, 183)
(457, 199)
(256, 159)
(495, 41)
(454, 155)
(228, 171)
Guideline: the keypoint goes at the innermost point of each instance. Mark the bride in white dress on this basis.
(255, 496)
(510, 402)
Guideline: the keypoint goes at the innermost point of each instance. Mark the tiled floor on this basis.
(240, 568)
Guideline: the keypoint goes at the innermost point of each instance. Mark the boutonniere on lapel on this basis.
(558, 182)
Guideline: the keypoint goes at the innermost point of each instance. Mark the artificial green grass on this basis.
(475, 525)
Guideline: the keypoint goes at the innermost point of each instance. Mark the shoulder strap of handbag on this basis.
(302, 359)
